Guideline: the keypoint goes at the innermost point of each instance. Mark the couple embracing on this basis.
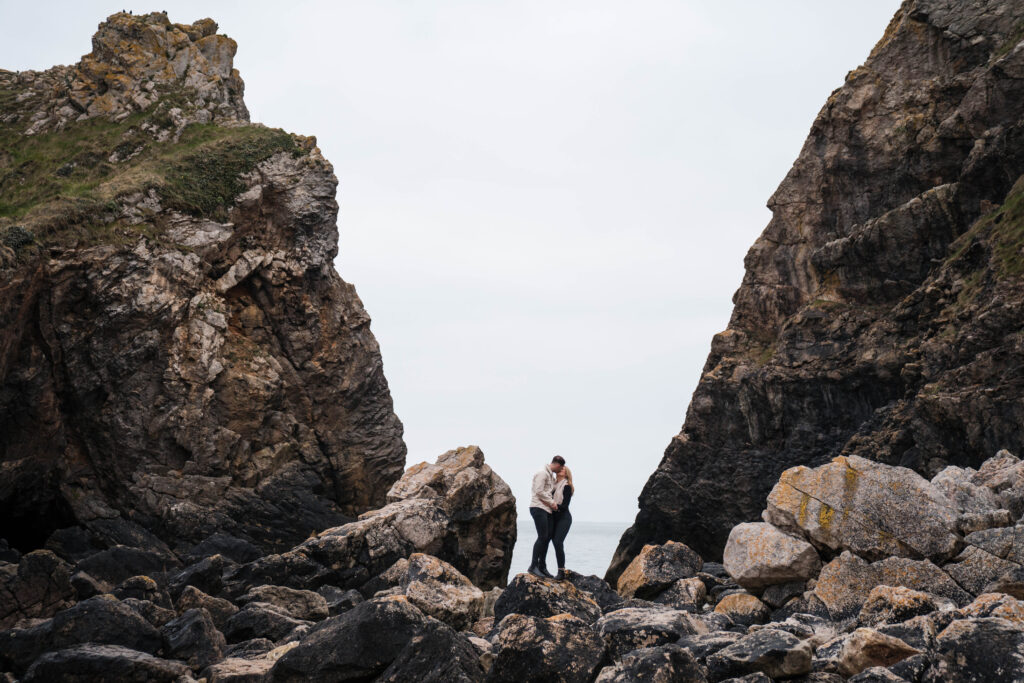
(550, 494)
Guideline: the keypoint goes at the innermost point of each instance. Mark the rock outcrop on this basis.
(881, 308)
(179, 360)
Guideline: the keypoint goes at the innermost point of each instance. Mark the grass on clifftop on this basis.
(61, 185)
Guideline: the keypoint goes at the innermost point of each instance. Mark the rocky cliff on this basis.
(178, 355)
(881, 310)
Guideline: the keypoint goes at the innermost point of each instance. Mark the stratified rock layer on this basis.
(177, 353)
(878, 316)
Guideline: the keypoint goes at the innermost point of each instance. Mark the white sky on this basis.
(544, 205)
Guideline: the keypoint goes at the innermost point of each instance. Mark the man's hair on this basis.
(558, 459)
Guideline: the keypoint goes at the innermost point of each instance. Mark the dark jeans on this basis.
(545, 528)
(563, 520)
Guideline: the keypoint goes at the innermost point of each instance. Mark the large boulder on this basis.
(37, 587)
(380, 639)
(220, 609)
(633, 628)
(894, 604)
(194, 638)
(298, 604)
(660, 664)
(743, 608)
(866, 648)
(656, 568)
(978, 650)
(869, 508)
(95, 662)
(775, 653)
(757, 555)
(689, 595)
(538, 597)
(261, 620)
(559, 649)
(440, 591)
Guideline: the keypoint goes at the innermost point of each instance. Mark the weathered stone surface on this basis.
(298, 604)
(629, 629)
(235, 670)
(537, 597)
(142, 588)
(119, 563)
(758, 555)
(207, 575)
(808, 603)
(479, 504)
(38, 586)
(862, 327)
(598, 589)
(705, 644)
(561, 649)
(869, 508)
(220, 609)
(440, 591)
(689, 595)
(779, 594)
(995, 605)
(978, 650)
(743, 608)
(845, 582)
(656, 568)
(893, 604)
(975, 569)
(194, 638)
(338, 600)
(384, 639)
(866, 648)
(154, 614)
(260, 620)
(775, 653)
(814, 629)
(657, 664)
(93, 662)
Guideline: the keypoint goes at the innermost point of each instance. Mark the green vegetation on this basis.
(1016, 35)
(63, 187)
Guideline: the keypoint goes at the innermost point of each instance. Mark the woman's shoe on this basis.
(544, 572)
(562, 574)
(535, 571)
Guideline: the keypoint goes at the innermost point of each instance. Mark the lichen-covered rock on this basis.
(978, 650)
(560, 649)
(260, 620)
(871, 509)
(743, 608)
(480, 505)
(689, 595)
(976, 569)
(95, 662)
(772, 652)
(629, 629)
(656, 568)
(893, 604)
(995, 605)
(598, 589)
(380, 639)
(220, 609)
(866, 648)
(538, 597)
(154, 614)
(194, 638)
(758, 555)
(658, 664)
(845, 583)
(440, 591)
(298, 604)
(37, 587)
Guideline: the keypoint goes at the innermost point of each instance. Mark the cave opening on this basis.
(26, 529)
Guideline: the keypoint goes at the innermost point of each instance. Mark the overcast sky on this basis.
(544, 205)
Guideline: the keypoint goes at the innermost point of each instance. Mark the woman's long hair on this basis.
(568, 478)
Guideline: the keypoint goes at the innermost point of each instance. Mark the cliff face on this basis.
(177, 352)
(881, 309)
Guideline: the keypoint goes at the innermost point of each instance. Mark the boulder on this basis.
(338, 600)
(866, 648)
(560, 649)
(102, 620)
(220, 609)
(142, 588)
(893, 604)
(689, 595)
(656, 568)
(758, 555)
(805, 627)
(235, 549)
(298, 604)
(260, 620)
(236, 670)
(808, 603)
(95, 662)
(844, 583)
(254, 648)
(121, 562)
(538, 597)
(917, 632)
(779, 594)
(877, 674)
(192, 637)
(631, 629)
(663, 663)
(154, 614)
(207, 575)
(975, 569)
(385, 639)
(439, 590)
(598, 589)
(1003, 473)
(978, 650)
(704, 644)
(866, 507)
(479, 505)
(772, 652)
(995, 605)
(743, 608)
(37, 587)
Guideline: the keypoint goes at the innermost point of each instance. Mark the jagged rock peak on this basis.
(134, 60)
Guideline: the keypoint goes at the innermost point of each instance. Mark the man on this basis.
(541, 507)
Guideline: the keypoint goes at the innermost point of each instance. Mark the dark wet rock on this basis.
(866, 648)
(86, 586)
(656, 568)
(101, 620)
(194, 638)
(560, 649)
(7, 553)
(775, 653)
(381, 640)
(978, 650)
(249, 649)
(154, 614)
(631, 629)
(603, 594)
(72, 544)
(826, 655)
(207, 575)
(298, 604)
(538, 597)
(338, 600)
(918, 632)
(808, 603)
(912, 668)
(142, 588)
(689, 595)
(260, 620)
(95, 662)
(716, 621)
(664, 663)
(220, 609)
(114, 565)
(391, 577)
(779, 594)
(743, 608)
(38, 586)
(235, 549)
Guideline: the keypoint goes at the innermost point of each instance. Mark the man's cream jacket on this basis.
(543, 487)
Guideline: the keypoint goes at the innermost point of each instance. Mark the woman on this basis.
(562, 517)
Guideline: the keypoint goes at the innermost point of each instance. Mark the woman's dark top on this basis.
(566, 497)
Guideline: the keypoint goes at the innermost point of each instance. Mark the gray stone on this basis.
(298, 604)
(890, 605)
(260, 620)
(759, 555)
(560, 649)
(192, 637)
(775, 653)
(440, 591)
(656, 568)
(664, 663)
(538, 597)
(94, 662)
(631, 629)
(866, 648)
(220, 609)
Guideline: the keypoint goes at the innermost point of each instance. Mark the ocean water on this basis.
(588, 547)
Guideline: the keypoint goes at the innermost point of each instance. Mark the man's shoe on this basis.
(535, 571)
(562, 574)
(544, 572)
